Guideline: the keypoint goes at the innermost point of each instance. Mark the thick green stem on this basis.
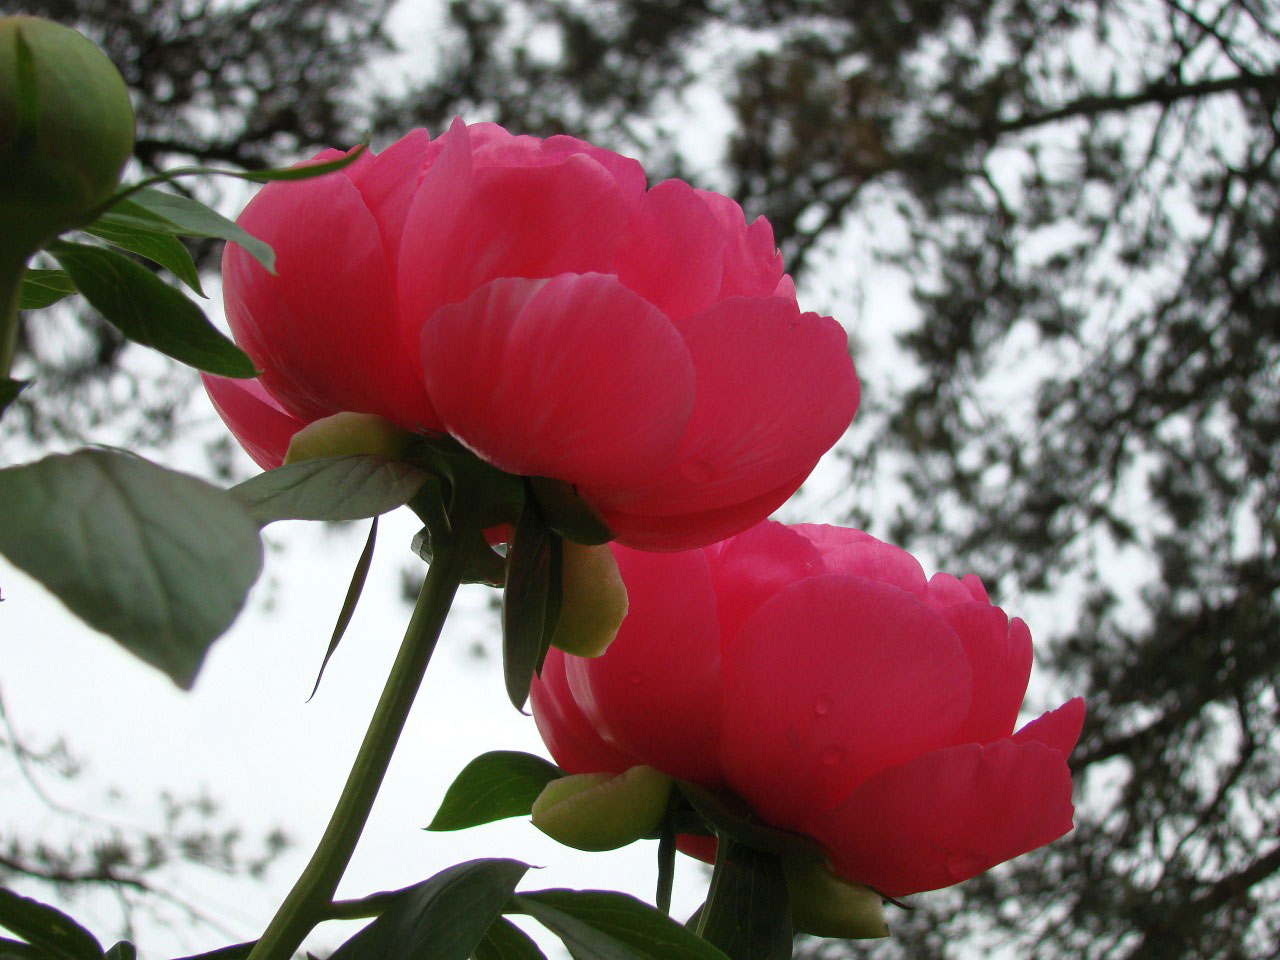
(308, 902)
(11, 270)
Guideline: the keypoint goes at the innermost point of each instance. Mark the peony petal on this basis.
(664, 663)
(255, 418)
(947, 816)
(828, 538)
(469, 224)
(388, 182)
(775, 390)
(322, 329)
(684, 532)
(830, 682)
(876, 560)
(575, 378)
(1059, 729)
(999, 653)
(945, 589)
(748, 569)
(572, 740)
(752, 265)
(671, 252)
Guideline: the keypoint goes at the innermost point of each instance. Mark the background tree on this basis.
(1082, 197)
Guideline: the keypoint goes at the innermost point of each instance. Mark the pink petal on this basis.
(655, 694)
(775, 390)
(696, 529)
(469, 224)
(945, 589)
(323, 330)
(572, 740)
(672, 252)
(748, 569)
(948, 815)
(1059, 729)
(828, 538)
(523, 151)
(254, 417)
(830, 682)
(999, 653)
(575, 378)
(388, 182)
(974, 585)
(879, 561)
(752, 264)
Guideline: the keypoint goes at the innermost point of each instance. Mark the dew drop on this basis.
(822, 706)
(831, 756)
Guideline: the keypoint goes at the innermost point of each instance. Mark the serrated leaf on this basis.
(530, 601)
(505, 941)
(330, 488)
(43, 288)
(602, 925)
(494, 786)
(138, 230)
(748, 909)
(47, 929)
(158, 560)
(191, 218)
(148, 311)
(358, 577)
(443, 918)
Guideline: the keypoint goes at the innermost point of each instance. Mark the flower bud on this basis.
(594, 600)
(825, 906)
(66, 130)
(349, 434)
(600, 811)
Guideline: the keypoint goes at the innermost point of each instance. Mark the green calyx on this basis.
(348, 434)
(825, 906)
(594, 600)
(601, 811)
(66, 131)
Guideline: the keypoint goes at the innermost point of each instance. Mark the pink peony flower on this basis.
(815, 672)
(533, 299)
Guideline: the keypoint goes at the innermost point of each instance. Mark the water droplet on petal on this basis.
(822, 706)
(831, 756)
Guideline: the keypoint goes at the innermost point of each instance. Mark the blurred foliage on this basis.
(1084, 199)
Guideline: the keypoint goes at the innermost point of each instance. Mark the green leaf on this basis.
(124, 950)
(158, 560)
(191, 218)
(43, 288)
(50, 931)
(17, 950)
(601, 925)
(138, 230)
(9, 390)
(530, 601)
(149, 311)
(237, 951)
(443, 918)
(494, 786)
(748, 909)
(330, 488)
(505, 941)
(354, 589)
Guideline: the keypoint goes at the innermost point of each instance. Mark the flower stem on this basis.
(666, 859)
(11, 270)
(308, 902)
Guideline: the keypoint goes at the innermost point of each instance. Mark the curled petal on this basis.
(752, 266)
(830, 682)
(1059, 728)
(999, 652)
(254, 417)
(948, 815)
(575, 378)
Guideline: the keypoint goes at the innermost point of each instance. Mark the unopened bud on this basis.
(594, 600)
(349, 434)
(66, 130)
(825, 906)
(601, 811)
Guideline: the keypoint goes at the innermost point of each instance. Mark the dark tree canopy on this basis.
(1085, 195)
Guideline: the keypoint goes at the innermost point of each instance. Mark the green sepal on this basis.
(603, 811)
(748, 908)
(505, 941)
(530, 601)
(358, 577)
(331, 488)
(729, 817)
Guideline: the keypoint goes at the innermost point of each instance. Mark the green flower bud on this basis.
(594, 600)
(600, 811)
(826, 906)
(66, 130)
(349, 434)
